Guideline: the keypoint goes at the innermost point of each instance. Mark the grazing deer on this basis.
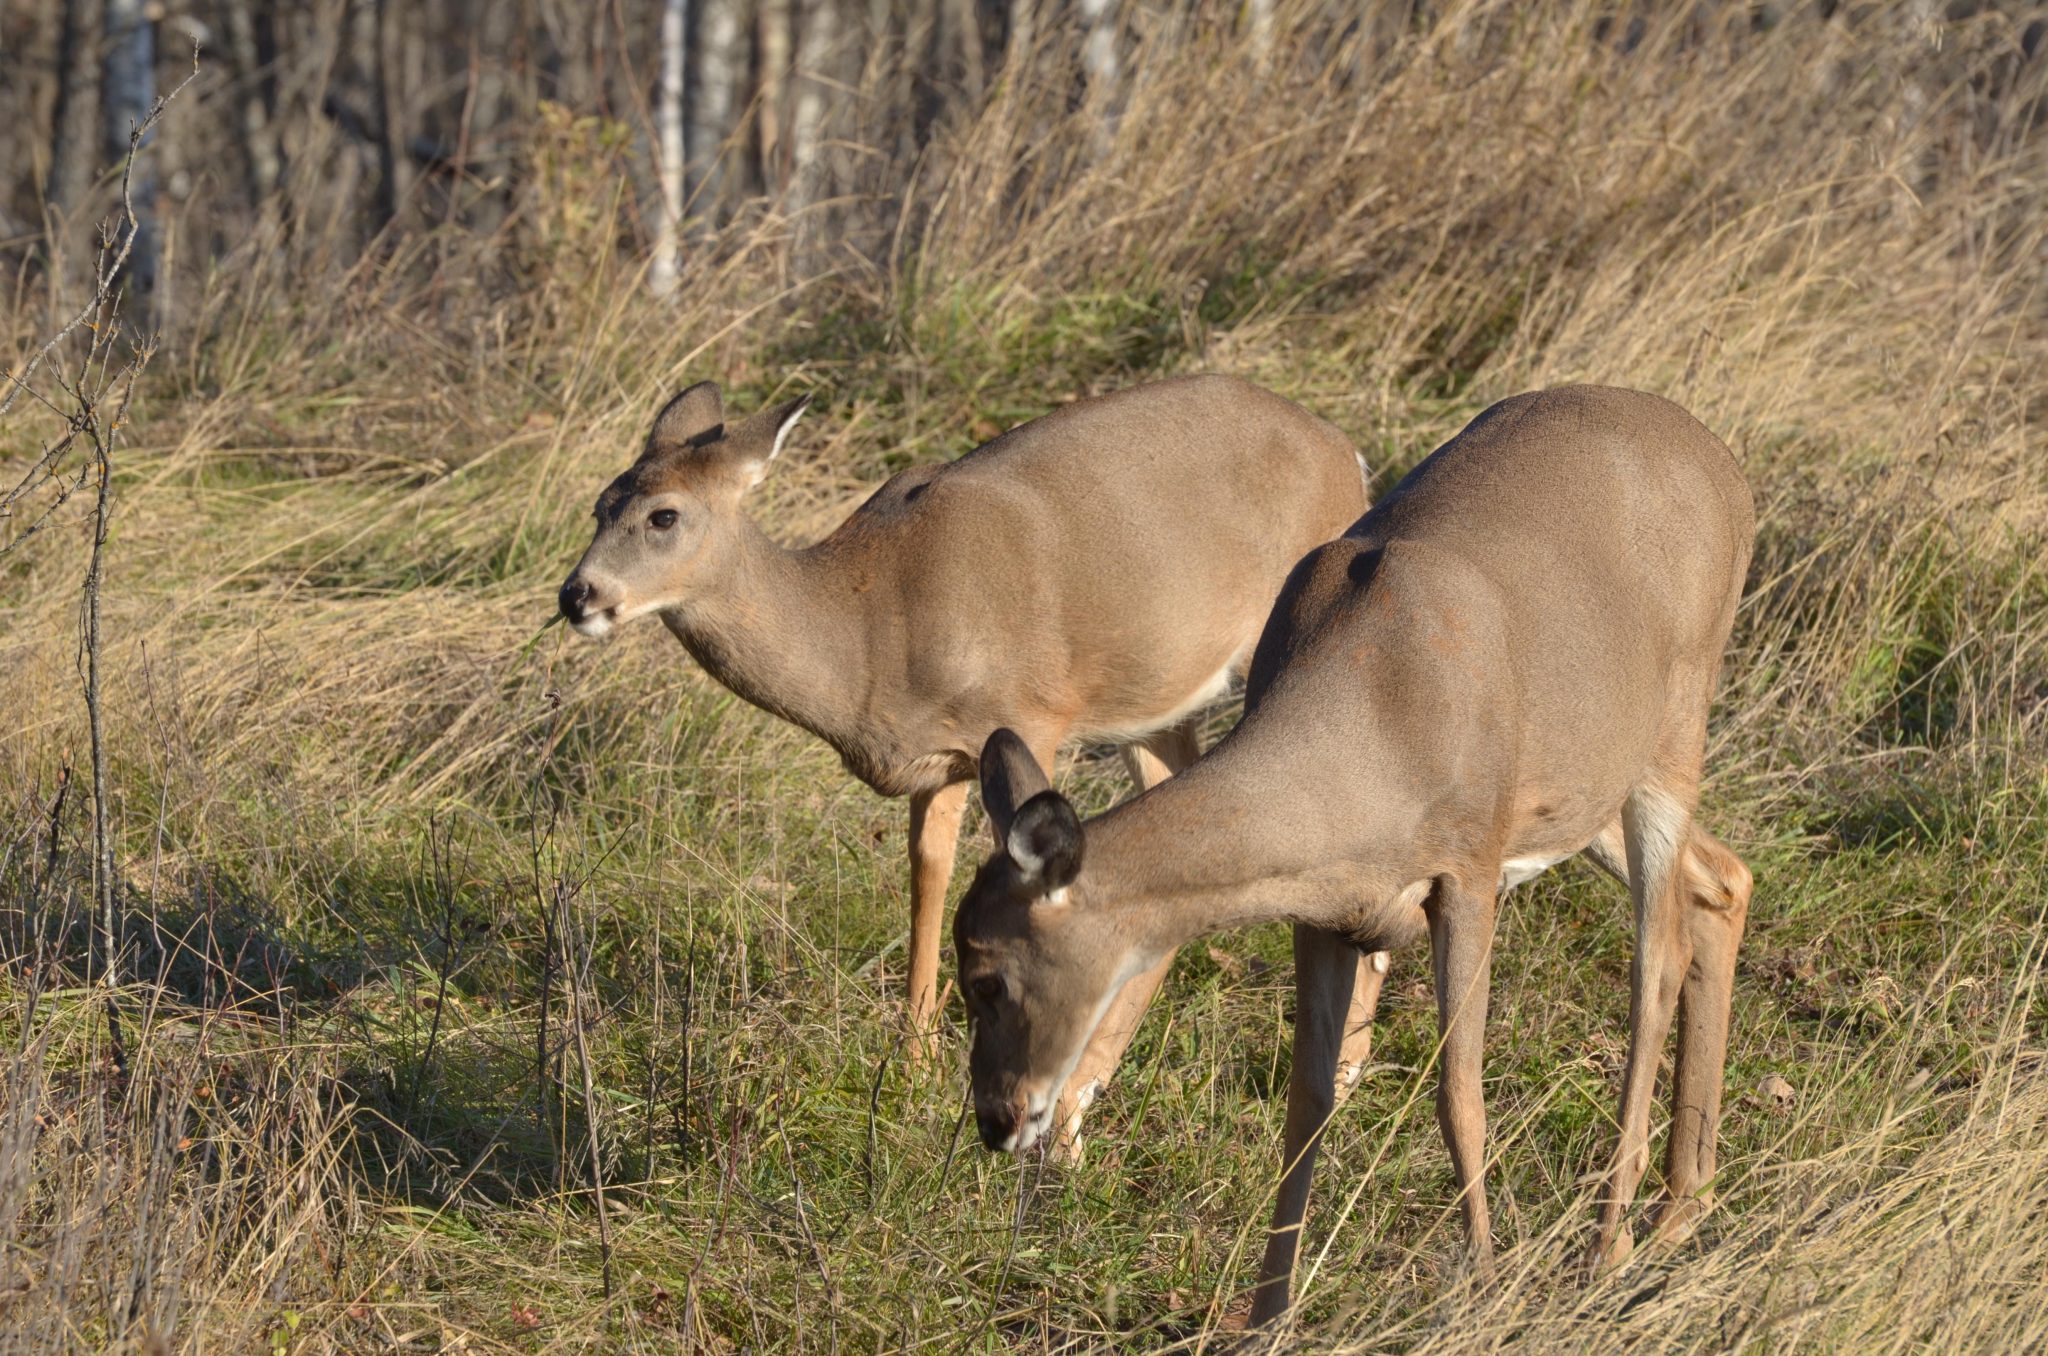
(1101, 572)
(1507, 661)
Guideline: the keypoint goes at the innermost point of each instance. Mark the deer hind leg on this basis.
(1150, 761)
(1716, 886)
(934, 838)
(1656, 827)
(1365, 1002)
(1325, 966)
(1461, 919)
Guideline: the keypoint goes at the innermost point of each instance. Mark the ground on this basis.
(489, 990)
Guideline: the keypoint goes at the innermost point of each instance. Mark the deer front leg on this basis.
(1461, 918)
(1325, 965)
(934, 836)
(1656, 827)
(1716, 888)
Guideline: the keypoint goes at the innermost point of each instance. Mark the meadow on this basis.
(484, 989)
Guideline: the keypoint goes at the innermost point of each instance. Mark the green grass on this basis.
(382, 838)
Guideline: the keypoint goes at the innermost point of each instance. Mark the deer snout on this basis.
(575, 593)
(999, 1126)
(583, 607)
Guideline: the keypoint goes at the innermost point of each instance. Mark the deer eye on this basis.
(989, 989)
(661, 520)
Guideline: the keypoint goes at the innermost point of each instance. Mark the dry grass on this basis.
(376, 838)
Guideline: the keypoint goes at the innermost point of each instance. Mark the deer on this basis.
(1098, 573)
(1506, 662)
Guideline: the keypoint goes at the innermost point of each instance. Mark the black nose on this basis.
(996, 1127)
(574, 595)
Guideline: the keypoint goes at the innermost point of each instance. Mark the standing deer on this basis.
(1101, 572)
(1507, 661)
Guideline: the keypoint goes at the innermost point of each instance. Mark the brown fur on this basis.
(1508, 660)
(1083, 575)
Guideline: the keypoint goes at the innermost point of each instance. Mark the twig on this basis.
(95, 412)
(803, 1224)
(440, 854)
(874, 1107)
(577, 958)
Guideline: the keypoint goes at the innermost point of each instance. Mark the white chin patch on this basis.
(596, 626)
(1037, 1120)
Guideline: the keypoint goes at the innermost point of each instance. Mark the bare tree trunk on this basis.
(127, 94)
(772, 86)
(1099, 63)
(718, 76)
(500, 30)
(815, 180)
(254, 119)
(669, 125)
(391, 161)
(75, 130)
(575, 75)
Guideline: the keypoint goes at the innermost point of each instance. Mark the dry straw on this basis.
(352, 488)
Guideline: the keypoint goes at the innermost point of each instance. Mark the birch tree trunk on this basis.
(1099, 63)
(669, 154)
(127, 93)
(813, 180)
(75, 132)
(718, 65)
(253, 118)
(773, 85)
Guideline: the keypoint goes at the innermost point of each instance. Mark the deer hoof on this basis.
(1609, 1254)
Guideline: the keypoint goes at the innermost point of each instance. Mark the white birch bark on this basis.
(719, 63)
(809, 139)
(265, 160)
(773, 92)
(1099, 65)
(669, 154)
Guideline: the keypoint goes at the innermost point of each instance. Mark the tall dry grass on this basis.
(376, 835)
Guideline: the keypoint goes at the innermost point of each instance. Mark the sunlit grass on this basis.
(382, 836)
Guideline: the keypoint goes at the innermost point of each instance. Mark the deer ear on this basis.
(757, 440)
(1010, 775)
(696, 416)
(1045, 842)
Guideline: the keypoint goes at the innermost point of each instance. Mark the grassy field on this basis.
(492, 991)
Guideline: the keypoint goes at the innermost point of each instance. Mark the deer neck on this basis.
(1215, 849)
(774, 626)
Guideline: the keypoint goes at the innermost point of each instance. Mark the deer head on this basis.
(668, 525)
(1038, 965)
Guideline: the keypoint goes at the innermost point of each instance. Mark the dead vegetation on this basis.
(394, 867)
